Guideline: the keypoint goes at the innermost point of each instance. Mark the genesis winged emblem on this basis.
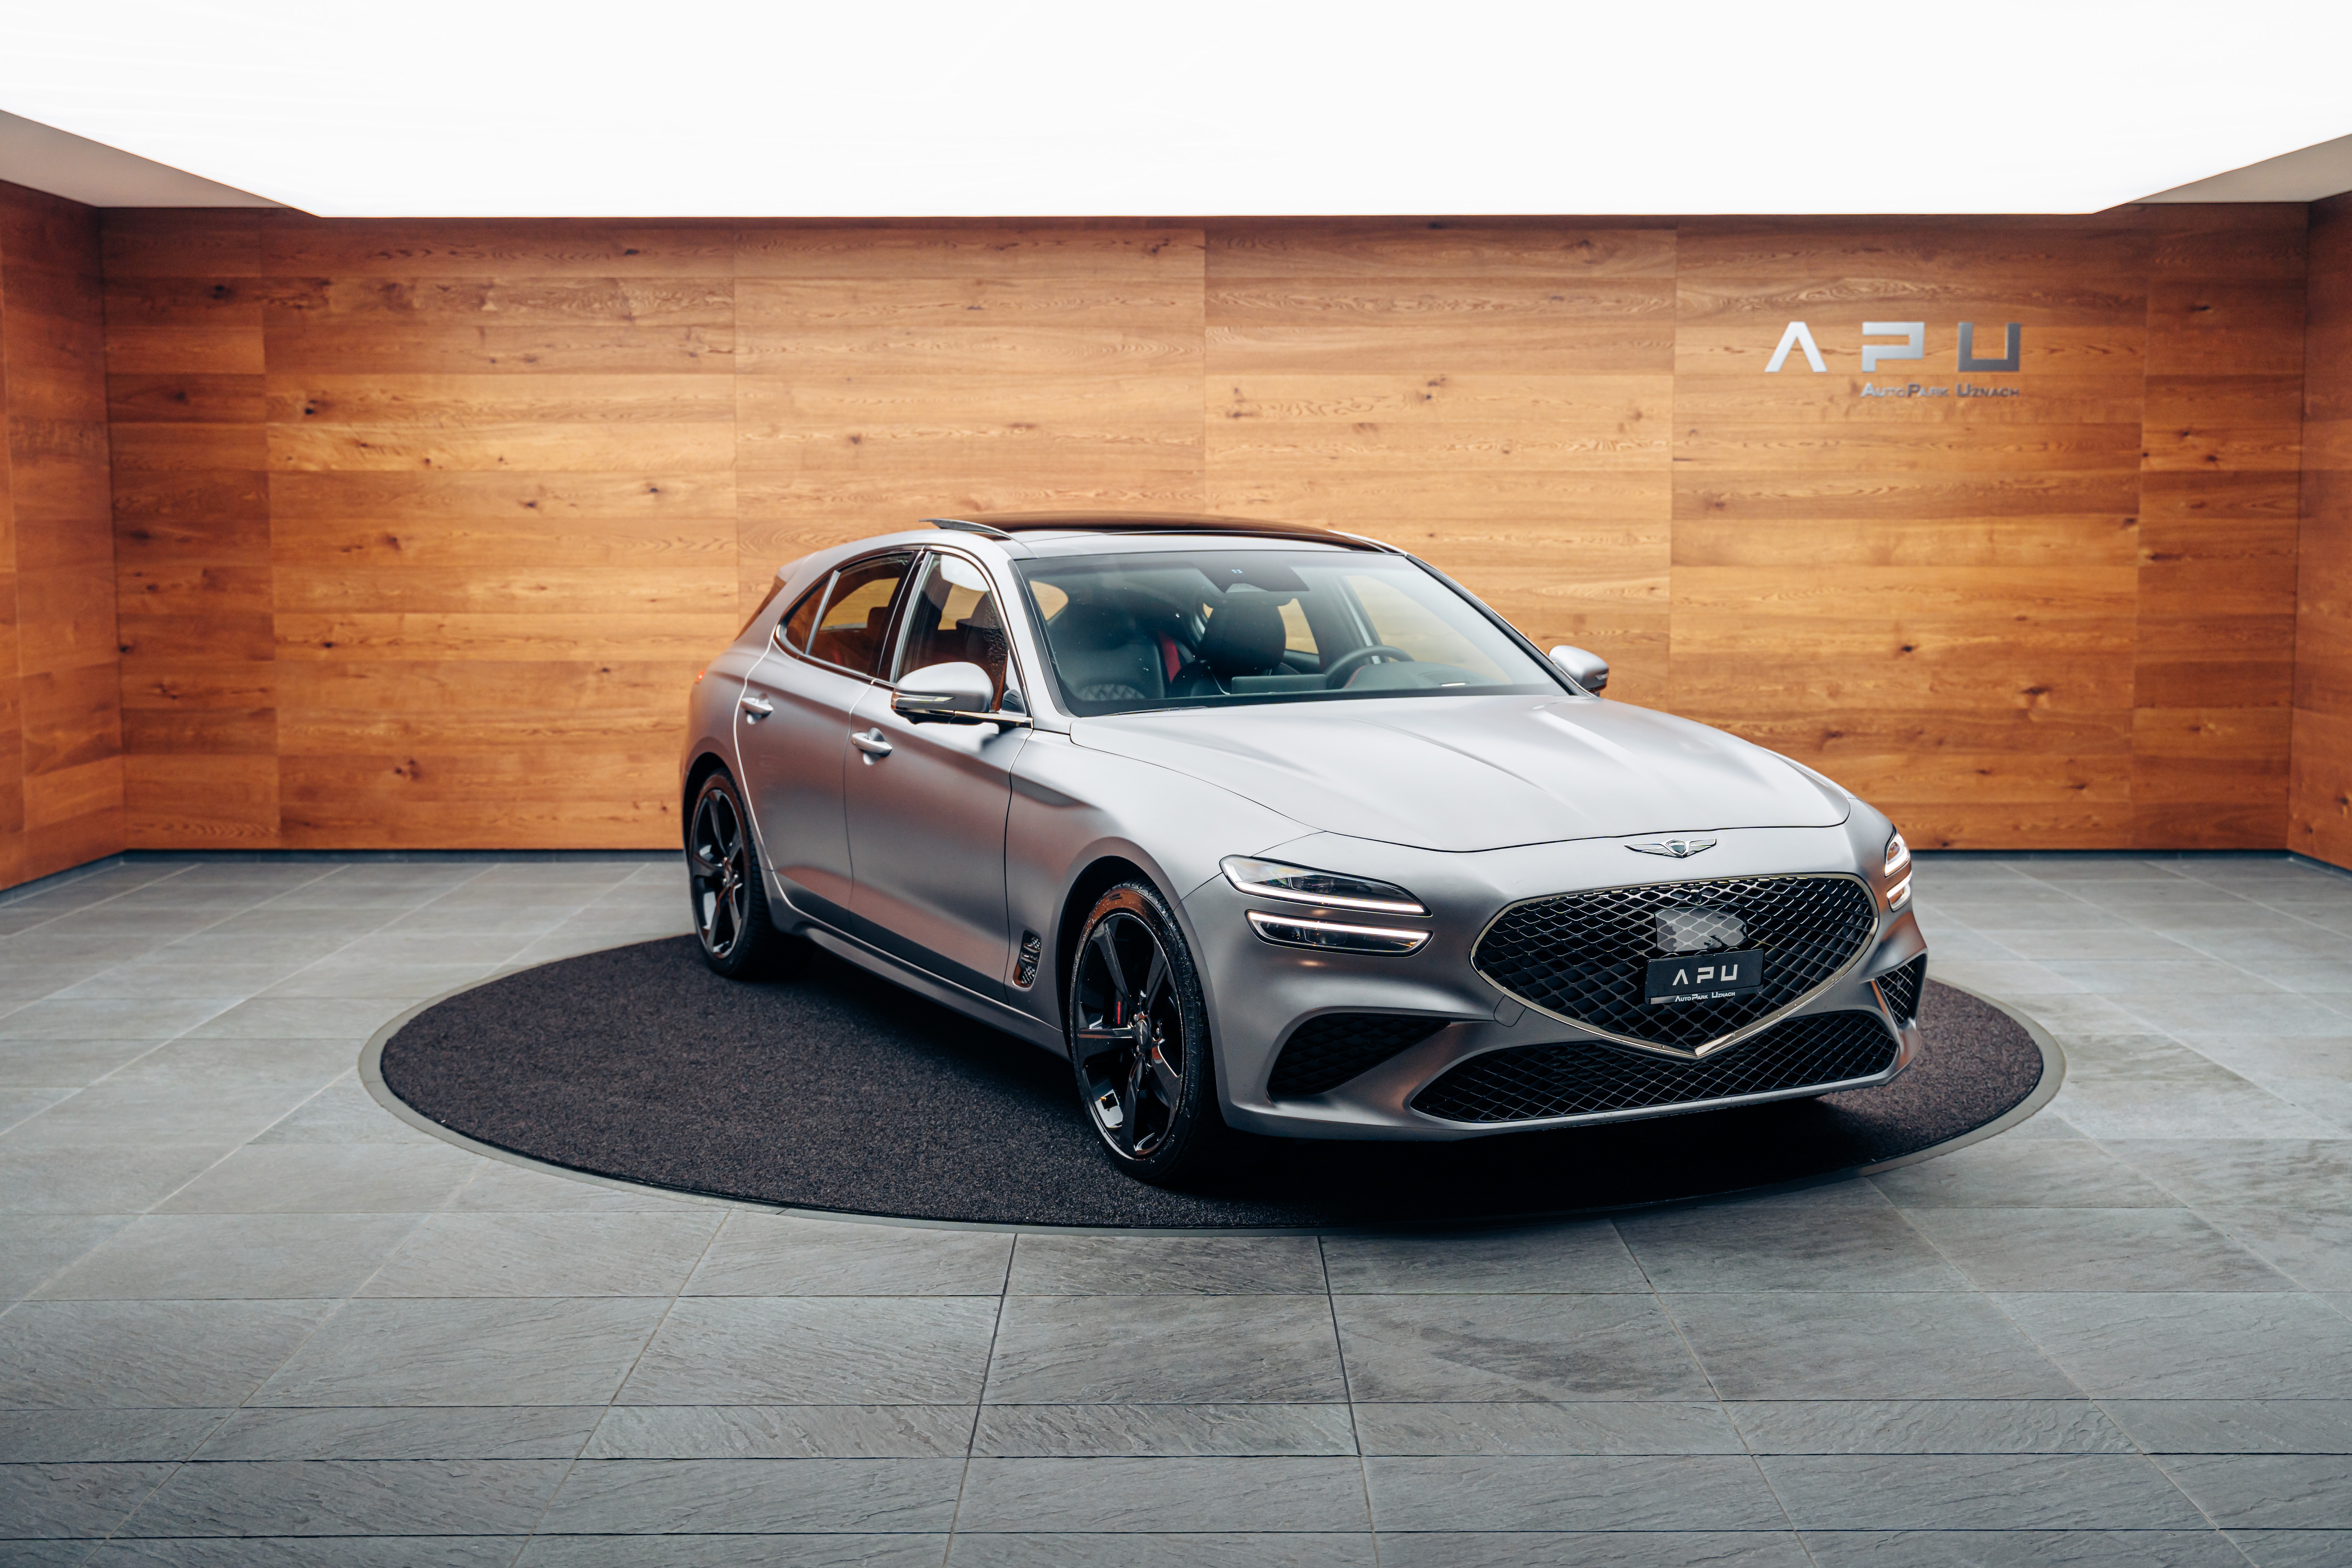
(1681, 848)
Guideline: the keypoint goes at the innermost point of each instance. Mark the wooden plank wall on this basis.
(61, 731)
(2058, 620)
(2320, 806)
(423, 528)
(1498, 398)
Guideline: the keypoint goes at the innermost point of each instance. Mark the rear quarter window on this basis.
(794, 632)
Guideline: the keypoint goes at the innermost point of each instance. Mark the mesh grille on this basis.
(1901, 988)
(1326, 1052)
(1583, 956)
(1527, 1082)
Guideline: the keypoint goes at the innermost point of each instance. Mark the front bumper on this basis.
(1259, 994)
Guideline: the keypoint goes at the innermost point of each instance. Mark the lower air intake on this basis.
(1901, 987)
(1326, 1052)
(1529, 1083)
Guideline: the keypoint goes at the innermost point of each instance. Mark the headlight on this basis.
(1299, 885)
(1293, 931)
(1898, 862)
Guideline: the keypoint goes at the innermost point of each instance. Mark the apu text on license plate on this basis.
(1704, 976)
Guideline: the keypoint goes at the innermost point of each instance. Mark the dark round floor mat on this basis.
(838, 1091)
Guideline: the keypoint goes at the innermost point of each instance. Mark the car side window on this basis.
(953, 618)
(795, 631)
(855, 621)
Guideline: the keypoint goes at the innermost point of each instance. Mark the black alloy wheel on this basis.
(1139, 1039)
(730, 906)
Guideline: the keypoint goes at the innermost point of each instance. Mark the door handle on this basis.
(757, 708)
(871, 742)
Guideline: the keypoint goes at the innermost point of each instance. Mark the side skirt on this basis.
(995, 1014)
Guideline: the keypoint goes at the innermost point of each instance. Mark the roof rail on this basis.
(1007, 525)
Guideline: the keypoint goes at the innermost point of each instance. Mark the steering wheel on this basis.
(1346, 664)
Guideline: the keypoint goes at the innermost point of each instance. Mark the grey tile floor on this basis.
(253, 1318)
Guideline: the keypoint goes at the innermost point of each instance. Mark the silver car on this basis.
(1276, 830)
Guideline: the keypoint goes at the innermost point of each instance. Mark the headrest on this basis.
(1245, 636)
(1093, 628)
(1104, 654)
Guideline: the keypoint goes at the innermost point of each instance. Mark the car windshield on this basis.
(1182, 629)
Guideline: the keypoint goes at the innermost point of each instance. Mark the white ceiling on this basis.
(918, 108)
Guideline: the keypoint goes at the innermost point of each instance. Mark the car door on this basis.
(928, 803)
(792, 725)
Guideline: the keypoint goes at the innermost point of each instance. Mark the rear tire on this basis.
(728, 892)
(1138, 1032)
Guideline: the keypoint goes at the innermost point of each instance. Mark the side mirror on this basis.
(958, 693)
(1588, 669)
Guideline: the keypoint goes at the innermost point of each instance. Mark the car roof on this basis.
(1086, 533)
(1034, 528)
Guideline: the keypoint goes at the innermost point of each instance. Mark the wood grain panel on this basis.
(2207, 777)
(422, 527)
(1498, 396)
(540, 247)
(1932, 599)
(2319, 787)
(62, 791)
(188, 705)
(1100, 252)
(2223, 440)
(464, 402)
(893, 373)
(1807, 406)
(185, 326)
(225, 798)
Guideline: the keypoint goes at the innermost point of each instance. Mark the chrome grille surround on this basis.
(1581, 957)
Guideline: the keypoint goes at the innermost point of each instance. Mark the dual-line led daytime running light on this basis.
(1294, 930)
(1898, 859)
(1327, 890)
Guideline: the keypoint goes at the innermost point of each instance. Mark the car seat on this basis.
(1105, 655)
(1245, 635)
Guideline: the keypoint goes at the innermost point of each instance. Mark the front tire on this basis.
(1137, 1030)
(729, 899)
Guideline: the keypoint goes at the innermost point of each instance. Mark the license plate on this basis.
(1705, 976)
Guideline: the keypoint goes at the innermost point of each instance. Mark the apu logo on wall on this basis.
(1914, 346)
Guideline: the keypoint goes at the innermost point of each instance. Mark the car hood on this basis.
(1475, 773)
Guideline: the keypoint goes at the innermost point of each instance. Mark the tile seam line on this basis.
(299, 1105)
(17, 895)
(2000, 1306)
(141, 1057)
(1347, 1394)
(2228, 962)
(11, 1012)
(2173, 1035)
(324, 1318)
(979, 1405)
(572, 1464)
(1722, 1407)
